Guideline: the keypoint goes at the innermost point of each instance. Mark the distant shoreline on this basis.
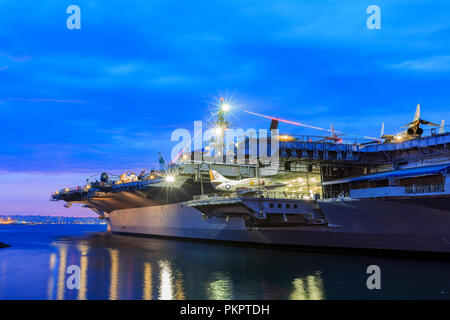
(38, 224)
(39, 219)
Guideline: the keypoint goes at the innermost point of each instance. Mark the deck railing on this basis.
(429, 188)
(262, 194)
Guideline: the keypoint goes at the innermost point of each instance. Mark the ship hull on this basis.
(360, 225)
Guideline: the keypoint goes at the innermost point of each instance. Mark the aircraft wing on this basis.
(429, 123)
(410, 124)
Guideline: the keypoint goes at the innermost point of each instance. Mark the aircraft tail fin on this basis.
(441, 127)
(382, 130)
(162, 163)
(216, 177)
(417, 114)
(274, 124)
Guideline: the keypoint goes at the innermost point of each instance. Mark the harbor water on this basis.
(128, 267)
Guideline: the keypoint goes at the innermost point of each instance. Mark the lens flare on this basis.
(170, 179)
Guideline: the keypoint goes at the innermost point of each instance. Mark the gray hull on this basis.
(354, 224)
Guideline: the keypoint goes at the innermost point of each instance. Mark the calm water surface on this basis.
(125, 267)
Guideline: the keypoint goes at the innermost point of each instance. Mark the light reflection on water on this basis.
(147, 285)
(220, 289)
(310, 288)
(62, 255)
(51, 278)
(123, 267)
(165, 278)
(114, 277)
(170, 283)
(83, 271)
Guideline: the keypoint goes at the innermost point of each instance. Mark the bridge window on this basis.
(279, 205)
(271, 205)
(287, 206)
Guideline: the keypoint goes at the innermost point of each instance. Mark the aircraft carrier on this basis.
(389, 194)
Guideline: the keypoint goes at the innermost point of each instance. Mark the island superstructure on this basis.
(392, 193)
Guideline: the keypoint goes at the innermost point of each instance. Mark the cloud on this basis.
(430, 64)
(15, 58)
(291, 59)
(122, 68)
(172, 80)
(41, 100)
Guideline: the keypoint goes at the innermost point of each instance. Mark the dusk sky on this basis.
(107, 97)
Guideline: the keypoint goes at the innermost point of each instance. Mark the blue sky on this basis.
(108, 96)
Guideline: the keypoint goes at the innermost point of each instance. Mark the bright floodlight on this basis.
(218, 131)
(225, 107)
(170, 179)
